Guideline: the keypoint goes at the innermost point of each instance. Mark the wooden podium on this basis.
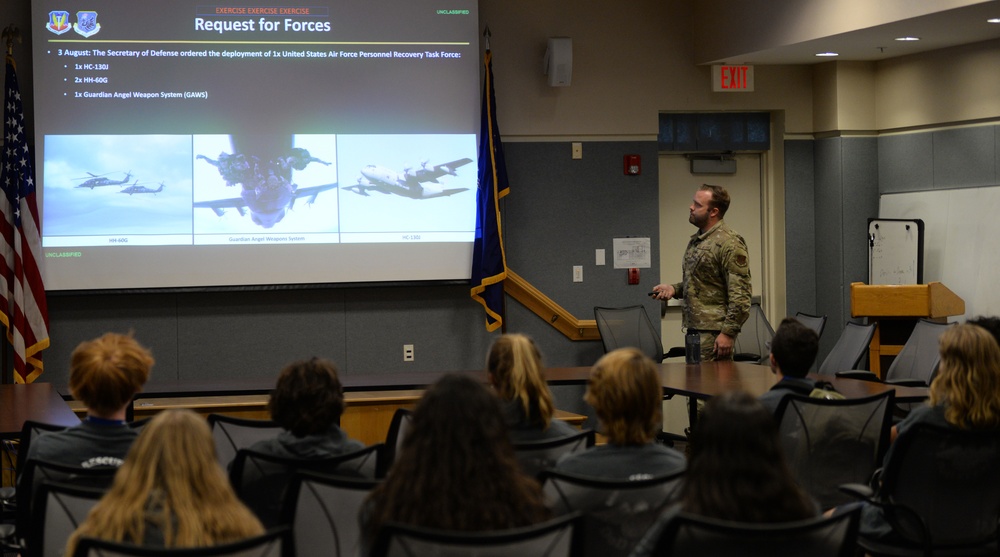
(895, 309)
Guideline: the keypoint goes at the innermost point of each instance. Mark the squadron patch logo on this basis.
(86, 23)
(58, 22)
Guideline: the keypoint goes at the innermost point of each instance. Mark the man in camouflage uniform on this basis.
(716, 280)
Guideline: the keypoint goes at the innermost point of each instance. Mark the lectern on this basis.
(895, 308)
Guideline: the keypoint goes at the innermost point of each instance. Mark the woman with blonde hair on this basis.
(624, 389)
(965, 394)
(514, 368)
(170, 492)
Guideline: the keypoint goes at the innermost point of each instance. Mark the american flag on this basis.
(23, 309)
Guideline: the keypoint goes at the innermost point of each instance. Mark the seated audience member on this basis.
(624, 390)
(105, 374)
(991, 324)
(965, 394)
(737, 470)
(170, 492)
(307, 402)
(456, 469)
(793, 351)
(514, 367)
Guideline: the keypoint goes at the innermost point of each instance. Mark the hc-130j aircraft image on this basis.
(421, 183)
(98, 180)
(136, 188)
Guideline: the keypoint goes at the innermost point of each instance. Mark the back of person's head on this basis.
(968, 377)
(171, 481)
(794, 347)
(720, 198)
(107, 372)
(514, 365)
(456, 469)
(624, 389)
(737, 468)
(308, 398)
(991, 324)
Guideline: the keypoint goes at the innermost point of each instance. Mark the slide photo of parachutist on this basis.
(251, 184)
(86, 175)
(408, 183)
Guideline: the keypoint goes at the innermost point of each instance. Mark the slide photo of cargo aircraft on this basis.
(269, 208)
(420, 183)
(98, 180)
(136, 188)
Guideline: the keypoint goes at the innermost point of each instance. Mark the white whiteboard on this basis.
(961, 241)
(894, 250)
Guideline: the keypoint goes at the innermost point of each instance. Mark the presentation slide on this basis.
(193, 144)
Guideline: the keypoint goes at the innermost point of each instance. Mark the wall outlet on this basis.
(407, 352)
(577, 273)
(577, 150)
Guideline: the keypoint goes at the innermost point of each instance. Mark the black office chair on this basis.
(616, 514)
(58, 509)
(232, 434)
(628, 326)
(834, 536)
(833, 442)
(916, 363)
(274, 543)
(815, 322)
(30, 430)
(850, 349)
(323, 512)
(261, 480)
(753, 344)
(940, 493)
(556, 538)
(402, 421)
(537, 456)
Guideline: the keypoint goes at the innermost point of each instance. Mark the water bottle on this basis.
(692, 347)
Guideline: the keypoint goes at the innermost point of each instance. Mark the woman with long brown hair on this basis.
(170, 492)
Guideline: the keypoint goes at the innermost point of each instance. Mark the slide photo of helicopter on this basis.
(275, 184)
(408, 183)
(156, 166)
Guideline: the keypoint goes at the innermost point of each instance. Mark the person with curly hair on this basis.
(456, 469)
(104, 374)
(624, 389)
(514, 368)
(170, 492)
(307, 403)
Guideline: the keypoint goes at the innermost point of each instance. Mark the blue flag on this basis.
(489, 263)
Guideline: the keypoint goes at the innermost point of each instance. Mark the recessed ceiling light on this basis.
(993, 20)
(827, 54)
(907, 38)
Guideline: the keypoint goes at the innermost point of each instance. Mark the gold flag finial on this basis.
(10, 34)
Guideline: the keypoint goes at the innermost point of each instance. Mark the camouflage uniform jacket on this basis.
(716, 281)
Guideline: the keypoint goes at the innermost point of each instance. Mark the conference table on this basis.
(39, 402)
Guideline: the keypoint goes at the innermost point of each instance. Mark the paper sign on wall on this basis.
(632, 253)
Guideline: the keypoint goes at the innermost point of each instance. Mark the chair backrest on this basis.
(753, 344)
(849, 350)
(814, 322)
(628, 326)
(537, 456)
(402, 421)
(273, 543)
(920, 356)
(833, 536)
(616, 514)
(36, 472)
(261, 480)
(323, 512)
(555, 538)
(58, 509)
(834, 442)
(137, 425)
(30, 431)
(232, 434)
(949, 478)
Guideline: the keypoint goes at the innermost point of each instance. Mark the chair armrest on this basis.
(859, 374)
(8, 494)
(903, 382)
(858, 491)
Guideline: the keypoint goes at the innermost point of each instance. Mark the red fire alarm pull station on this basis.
(633, 276)
(633, 165)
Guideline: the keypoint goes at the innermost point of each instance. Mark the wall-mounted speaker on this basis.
(713, 165)
(559, 61)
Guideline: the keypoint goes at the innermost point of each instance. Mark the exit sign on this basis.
(732, 79)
